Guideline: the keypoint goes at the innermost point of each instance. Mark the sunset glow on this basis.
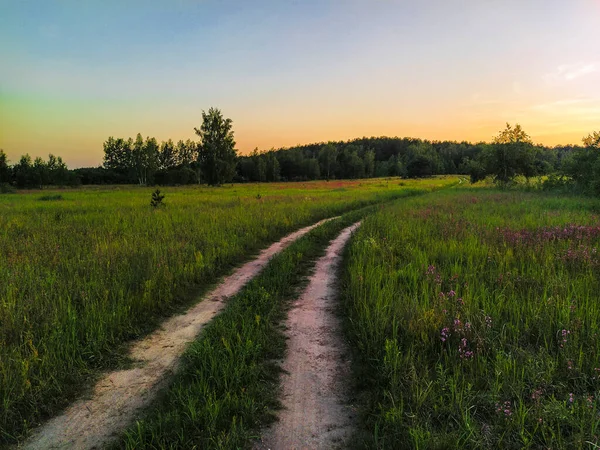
(74, 73)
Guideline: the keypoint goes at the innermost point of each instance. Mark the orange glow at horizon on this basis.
(296, 74)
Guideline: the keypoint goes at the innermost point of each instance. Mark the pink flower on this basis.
(504, 408)
(488, 321)
(445, 334)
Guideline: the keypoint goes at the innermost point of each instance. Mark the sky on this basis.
(73, 73)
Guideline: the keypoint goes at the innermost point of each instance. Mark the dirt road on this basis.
(120, 396)
(316, 414)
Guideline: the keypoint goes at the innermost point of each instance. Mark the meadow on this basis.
(474, 318)
(84, 271)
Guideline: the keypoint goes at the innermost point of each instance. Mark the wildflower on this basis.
(488, 321)
(564, 333)
(571, 398)
(463, 349)
(457, 324)
(505, 408)
(570, 365)
(445, 334)
(451, 293)
(468, 326)
(460, 301)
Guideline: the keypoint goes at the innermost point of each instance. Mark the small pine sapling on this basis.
(157, 199)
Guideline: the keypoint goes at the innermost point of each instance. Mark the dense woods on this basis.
(213, 160)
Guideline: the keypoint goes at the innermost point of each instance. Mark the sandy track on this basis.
(119, 396)
(316, 414)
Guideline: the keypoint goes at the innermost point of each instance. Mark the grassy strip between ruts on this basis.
(228, 383)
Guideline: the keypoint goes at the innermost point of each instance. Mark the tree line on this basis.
(28, 173)
(213, 160)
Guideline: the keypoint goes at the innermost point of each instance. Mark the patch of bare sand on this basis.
(119, 396)
(316, 413)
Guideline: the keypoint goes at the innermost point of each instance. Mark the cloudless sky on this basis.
(73, 73)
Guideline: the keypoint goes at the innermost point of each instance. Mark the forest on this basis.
(213, 160)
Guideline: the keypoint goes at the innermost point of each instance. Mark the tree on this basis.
(395, 167)
(474, 169)
(184, 156)
(151, 159)
(583, 166)
(137, 156)
(369, 160)
(59, 173)
(145, 159)
(311, 169)
(40, 171)
(118, 157)
(217, 154)
(167, 158)
(422, 160)
(349, 163)
(4, 169)
(592, 140)
(510, 154)
(512, 135)
(259, 172)
(273, 169)
(23, 172)
(327, 159)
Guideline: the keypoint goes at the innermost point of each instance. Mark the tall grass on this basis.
(83, 275)
(475, 319)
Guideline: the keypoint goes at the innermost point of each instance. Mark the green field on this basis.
(87, 270)
(472, 313)
(474, 316)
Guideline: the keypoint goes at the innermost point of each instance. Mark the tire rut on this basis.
(316, 413)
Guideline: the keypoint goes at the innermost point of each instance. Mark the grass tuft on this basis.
(51, 198)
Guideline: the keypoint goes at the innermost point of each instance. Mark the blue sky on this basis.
(290, 72)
